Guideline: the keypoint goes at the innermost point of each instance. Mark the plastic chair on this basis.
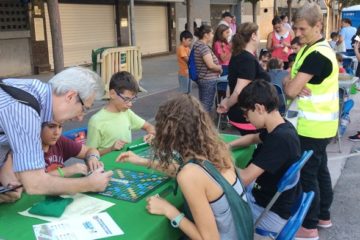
(77, 134)
(288, 181)
(298, 213)
(282, 99)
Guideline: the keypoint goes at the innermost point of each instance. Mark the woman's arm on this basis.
(131, 157)
(210, 63)
(230, 101)
(356, 50)
(269, 42)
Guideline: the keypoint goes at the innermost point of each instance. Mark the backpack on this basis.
(192, 66)
(240, 209)
(21, 96)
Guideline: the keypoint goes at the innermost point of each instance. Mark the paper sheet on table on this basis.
(82, 205)
(93, 226)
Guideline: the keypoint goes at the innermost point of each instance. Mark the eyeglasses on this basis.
(245, 112)
(126, 99)
(84, 108)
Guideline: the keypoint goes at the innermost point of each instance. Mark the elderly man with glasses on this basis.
(26, 104)
(110, 128)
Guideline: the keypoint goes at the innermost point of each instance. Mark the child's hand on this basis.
(75, 169)
(149, 137)
(118, 145)
(159, 206)
(131, 158)
(93, 163)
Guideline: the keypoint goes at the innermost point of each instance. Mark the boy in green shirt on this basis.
(110, 128)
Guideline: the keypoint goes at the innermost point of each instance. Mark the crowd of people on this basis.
(33, 152)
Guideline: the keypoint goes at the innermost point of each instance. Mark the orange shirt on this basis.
(182, 52)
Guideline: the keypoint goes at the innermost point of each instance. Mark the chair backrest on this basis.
(282, 99)
(291, 176)
(298, 214)
(77, 134)
(288, 181)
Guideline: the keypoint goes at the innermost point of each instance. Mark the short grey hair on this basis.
(79, 79)
(310, 12)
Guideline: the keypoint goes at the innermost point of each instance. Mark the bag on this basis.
(192, 66)
(21, 96)
(240, 209)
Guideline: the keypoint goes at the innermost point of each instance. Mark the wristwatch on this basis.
(175, 222)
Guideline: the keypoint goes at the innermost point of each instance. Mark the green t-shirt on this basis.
(106, 127)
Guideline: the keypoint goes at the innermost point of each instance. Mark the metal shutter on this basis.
(84, 27)
(151, 29)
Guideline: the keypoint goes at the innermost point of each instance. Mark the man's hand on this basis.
(118, 145)
(13, 195)
(98, 180)
(305, 92)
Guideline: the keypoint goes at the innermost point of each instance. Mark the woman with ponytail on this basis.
(243, 69)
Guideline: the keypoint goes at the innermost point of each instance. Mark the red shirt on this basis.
(63, 150)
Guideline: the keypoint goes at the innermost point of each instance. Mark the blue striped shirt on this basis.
(22, 124)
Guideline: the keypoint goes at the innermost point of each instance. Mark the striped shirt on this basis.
(204, 73)
(22, 124)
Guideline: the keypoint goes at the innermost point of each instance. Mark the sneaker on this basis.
(355, 138)
(307, 234)
(324, 223)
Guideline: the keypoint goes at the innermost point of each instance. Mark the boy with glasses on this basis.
(110, 128)
(278, 148)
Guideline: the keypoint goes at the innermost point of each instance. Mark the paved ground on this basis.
(160, 79)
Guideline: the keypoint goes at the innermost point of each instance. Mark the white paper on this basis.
(81, 206)
(94, 226)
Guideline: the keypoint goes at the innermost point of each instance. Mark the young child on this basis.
(58, 149)
(278, 149)
(183, 52)
(183, 126)
(291, 60)
(295, 45)
(276, 72)
(334, 43)
(264, 57)
(110, 128)
(340, 60)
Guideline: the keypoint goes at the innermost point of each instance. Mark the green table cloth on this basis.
(132, 218)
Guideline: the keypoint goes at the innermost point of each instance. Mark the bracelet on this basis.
(93, 155)
(61, 172)
(175, 222)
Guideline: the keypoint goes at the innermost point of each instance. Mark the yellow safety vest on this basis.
(319, 113)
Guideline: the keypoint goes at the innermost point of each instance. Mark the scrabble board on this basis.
(130, 185)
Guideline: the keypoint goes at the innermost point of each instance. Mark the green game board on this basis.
(130, 185)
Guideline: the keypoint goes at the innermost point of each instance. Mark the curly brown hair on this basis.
(183, 126)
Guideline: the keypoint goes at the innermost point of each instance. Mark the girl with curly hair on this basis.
(183, 127)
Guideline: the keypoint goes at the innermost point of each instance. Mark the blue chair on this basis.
(288, 181)
(75, 134)
(282, 99)
(297, 217)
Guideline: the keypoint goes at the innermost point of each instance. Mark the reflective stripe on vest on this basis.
(318, 113)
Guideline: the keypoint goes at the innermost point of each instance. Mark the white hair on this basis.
(79, 79)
